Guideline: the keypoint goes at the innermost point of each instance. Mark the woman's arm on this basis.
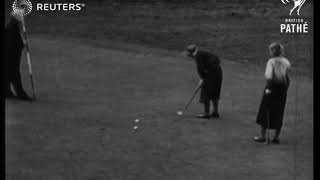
(269, 76)
(269, 70)
(201, 70)
(288, 78)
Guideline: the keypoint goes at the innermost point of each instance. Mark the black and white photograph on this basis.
(158, 89)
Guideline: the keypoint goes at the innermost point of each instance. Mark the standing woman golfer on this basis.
(14, 45)
(271, 111)
(210, 72)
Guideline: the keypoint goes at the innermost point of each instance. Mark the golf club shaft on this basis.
(29, 60)
(31, 75)
(193, 96)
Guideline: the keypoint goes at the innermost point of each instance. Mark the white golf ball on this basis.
(135, 127)
(137, 120)
(179, 113)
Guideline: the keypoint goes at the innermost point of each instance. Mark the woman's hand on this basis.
(268, 91)
(200, 82)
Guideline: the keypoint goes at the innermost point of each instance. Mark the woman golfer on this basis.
(14, 45)
(273, 102)
(210, 72)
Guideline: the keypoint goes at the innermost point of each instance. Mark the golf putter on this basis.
(191, 99)
(193, 96)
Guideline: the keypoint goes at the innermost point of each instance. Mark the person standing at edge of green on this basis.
(14, 45)
(271, 111)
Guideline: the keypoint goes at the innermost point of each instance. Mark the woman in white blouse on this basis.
(274, 98)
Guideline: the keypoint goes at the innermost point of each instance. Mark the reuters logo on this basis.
(22, 7)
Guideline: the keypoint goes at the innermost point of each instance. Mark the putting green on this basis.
(90, 95)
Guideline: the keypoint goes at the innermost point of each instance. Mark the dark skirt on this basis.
(211, 87)
(12, 56)
(272, 106)
(13, 46)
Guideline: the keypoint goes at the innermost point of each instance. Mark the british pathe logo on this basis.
(22, 7)
(297, 5)
(296, 24)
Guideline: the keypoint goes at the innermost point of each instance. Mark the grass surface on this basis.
(236, 30)
(88, 99)
(98, 70)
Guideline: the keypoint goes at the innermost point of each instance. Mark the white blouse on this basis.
(277, 68)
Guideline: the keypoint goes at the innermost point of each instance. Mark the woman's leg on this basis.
(277, 134)
(8, 91)
(262, 137)
(8, 79)
(7, 85)
(263, 132)
(215, 106)
(17, 84)
(206, 105)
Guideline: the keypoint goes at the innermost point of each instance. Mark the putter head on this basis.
(180, 113)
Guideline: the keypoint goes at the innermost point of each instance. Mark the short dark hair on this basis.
(191, 48)
(276, 49)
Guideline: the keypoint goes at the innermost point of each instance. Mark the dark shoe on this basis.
(215, 115)
(203, 116)
(259, 139)
(276, 141)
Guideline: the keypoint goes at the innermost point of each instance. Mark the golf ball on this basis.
(135, 127)
(179, 113)
(137, 120)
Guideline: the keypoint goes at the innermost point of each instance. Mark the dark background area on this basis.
(235, 30)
